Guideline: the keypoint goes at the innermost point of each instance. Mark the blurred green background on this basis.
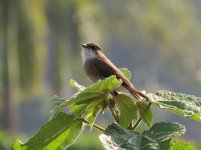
(158, 40)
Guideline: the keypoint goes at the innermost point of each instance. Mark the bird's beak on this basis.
(84, 45)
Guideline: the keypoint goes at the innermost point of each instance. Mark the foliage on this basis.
(159, 136)
(58, 133)
(50, 32)
(6, 140)
(63, 129)
(188, 106)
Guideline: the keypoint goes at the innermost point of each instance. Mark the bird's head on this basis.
(91, 47)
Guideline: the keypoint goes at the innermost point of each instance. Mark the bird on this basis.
(98, 66)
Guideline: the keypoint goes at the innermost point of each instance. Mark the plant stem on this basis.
(114, 114)
(139, 119)
(137, 123)
(94, 125)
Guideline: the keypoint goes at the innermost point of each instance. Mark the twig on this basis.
(94, 125)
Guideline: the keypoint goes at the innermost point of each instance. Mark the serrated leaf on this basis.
(127, 108)
(116, 137)
(163, 133)
(96, 91)
(126, 72)
(145, 112)
(59, 133)
(188, 106)
(79, 87)
(179, 145)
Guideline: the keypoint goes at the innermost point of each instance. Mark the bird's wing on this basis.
(104, 69)
(113, 70)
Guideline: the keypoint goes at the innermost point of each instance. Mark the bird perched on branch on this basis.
(98, 66)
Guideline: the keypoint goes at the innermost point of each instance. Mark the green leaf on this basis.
(126, 72)
(163, 133)
(92, 113)
(116, 137)
(59, 133)
(88, 111)
(105, 86)
(17, 145)
(57, 100)
(179, 145)
(145, 112)
(88, 102)
(66, 103)
(127, 108)
(99, 90)
(79, 110)
(188, 106)
(79, 87)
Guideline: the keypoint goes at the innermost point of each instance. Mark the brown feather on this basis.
(101, 67)
(115, 71)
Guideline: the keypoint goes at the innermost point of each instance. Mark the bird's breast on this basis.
(87, 54)
(91, 70)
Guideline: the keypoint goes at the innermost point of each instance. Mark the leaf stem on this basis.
(136, 124)
(114, 114)
(94, 125)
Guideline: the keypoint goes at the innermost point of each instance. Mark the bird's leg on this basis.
(143, 95)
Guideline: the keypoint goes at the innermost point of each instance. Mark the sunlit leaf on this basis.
(59, 133)
(79, 110)
(79, 87)
(188, 106)
(17, 145)
(179, 145)
(92, 113)
(99, 90)
(126, 72)
(88, 111)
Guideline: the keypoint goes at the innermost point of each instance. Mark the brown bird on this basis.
(98, 66)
